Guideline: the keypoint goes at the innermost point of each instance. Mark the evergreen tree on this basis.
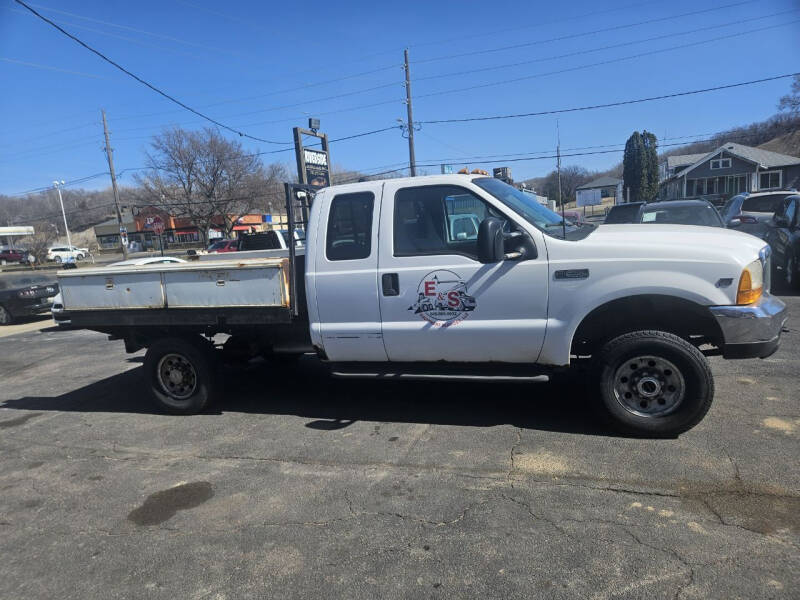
(650, 165)
(640, 166)
(632, 166)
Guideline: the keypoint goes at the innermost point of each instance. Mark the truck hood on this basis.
(671, 242)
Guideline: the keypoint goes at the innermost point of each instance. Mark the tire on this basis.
(654, 384)
(57, 259)
(6, 318)
(181, 374)
(79, 257)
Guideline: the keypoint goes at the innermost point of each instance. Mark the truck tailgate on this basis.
(261, 282)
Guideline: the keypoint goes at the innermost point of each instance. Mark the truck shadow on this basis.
(307, 390)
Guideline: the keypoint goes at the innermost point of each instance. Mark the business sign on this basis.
(317, 172)
(589, 197)
(313, 166)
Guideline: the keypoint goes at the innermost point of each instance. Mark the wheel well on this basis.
(683, 318)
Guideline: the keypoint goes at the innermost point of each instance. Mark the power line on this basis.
(602, 48)
(605, 62)
(610, 104)
(135, 30)
(582, 34)
(142, 81)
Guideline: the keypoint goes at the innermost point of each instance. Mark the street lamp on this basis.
(58, 185)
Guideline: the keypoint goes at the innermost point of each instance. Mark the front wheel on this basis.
(654, 383)
(181, 374)
(5, 316)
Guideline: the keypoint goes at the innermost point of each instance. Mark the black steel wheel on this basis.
(654, 383)
(181, 374)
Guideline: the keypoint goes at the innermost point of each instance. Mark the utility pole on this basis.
(110, 156)
(57, 185)
(412, 161)
(558, 169)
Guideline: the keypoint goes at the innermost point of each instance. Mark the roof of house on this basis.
(683, 160)
(763, 158)
(600, 182)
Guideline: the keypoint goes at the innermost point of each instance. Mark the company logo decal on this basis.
(442, 299)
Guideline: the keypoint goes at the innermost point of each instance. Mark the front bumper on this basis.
(752, 330)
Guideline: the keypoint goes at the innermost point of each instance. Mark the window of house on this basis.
(769, 179)
(721, 163)
(438, 219)
(350, 227)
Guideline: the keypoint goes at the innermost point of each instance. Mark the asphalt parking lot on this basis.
(301, 486)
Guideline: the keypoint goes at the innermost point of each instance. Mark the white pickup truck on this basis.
(388, 284)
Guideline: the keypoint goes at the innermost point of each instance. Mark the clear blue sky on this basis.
(236, 61)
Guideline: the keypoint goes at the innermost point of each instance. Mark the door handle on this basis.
(390, 283)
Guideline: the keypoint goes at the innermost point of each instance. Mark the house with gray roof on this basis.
(730, 169)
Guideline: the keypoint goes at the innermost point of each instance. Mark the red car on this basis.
(12, 256)
(224, 246)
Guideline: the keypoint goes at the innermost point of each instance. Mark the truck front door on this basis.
(437, 302)
(345, 280)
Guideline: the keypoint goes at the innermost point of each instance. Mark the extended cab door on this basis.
(437, 301)
(344, 278)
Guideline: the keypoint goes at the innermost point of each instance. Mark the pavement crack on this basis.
(511, 464)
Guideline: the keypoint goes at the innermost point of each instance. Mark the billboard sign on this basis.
(317, 172)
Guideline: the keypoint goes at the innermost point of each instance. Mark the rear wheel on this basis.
(57, 259)
(654, 383)
(181, 374)
(5, 316)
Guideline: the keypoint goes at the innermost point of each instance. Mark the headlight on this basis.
(751, 283)
(27, 294)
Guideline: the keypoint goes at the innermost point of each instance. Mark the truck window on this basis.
(350, 227)
(437, 219)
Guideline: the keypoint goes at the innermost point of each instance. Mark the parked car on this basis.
(25, 295)
(265, 240)
(13, 256)
(782, 233)
(630, 212)
(62, 253)
(752, 208)
(149, 260)
(682, 212)
(223, 246)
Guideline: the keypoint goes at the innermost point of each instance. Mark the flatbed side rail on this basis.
(298, 199)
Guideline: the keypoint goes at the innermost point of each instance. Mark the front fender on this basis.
(572, 301)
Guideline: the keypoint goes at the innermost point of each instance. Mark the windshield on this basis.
(218, 245)
(526, 206)
(683, 215)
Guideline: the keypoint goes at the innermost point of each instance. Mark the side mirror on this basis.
(490, 240)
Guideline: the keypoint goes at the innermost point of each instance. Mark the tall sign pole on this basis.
(110, 156)
(558, 168)
(412, 161)
(313, 166)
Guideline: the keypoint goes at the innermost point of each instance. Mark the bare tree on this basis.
(204, 177)
(38, 244)
(791, 102)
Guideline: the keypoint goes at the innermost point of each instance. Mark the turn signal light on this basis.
(751, 283)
